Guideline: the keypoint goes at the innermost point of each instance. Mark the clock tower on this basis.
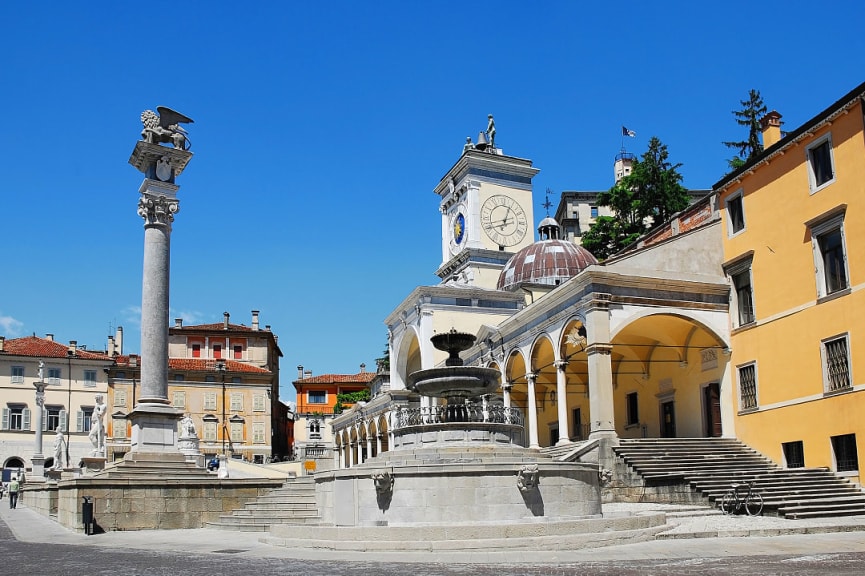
(486, 210)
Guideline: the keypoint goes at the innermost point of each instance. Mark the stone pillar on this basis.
(340, 454)
(154, 420)
(38, 459)
(359, 451)
(368, 447)
(562, 396)
(378, 444)
(506, 393)
(350, 454)
(598, 349)
(532, 409)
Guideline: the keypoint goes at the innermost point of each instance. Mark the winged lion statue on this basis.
(164, 126)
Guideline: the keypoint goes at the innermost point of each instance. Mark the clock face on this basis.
(504, 220)
(459, 228)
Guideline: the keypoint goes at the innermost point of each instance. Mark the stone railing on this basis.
(456, 413)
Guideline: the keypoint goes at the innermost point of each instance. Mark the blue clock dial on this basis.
(459, 228)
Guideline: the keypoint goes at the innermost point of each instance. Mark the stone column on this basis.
(598, 349)
(562, 396)
(368, 447)
(532, 409)
(341, 456)
(38, 459)
(506, 393)
(359, 451)
(350, 454)
(378, 444)
(154, 420)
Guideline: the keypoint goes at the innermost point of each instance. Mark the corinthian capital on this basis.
(157, 209)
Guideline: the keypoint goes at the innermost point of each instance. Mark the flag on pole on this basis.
(626, 132)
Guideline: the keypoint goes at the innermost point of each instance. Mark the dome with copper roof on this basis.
(549, 261)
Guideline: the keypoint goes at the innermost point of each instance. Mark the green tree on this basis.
(650, 194)
(752, 111)
(383, 363)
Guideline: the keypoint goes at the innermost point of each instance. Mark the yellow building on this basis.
(226, 377)
(794, 235)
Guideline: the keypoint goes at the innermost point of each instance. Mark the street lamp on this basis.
(220, 367)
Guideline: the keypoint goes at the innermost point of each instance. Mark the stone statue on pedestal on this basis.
(59, 449)
(97, 427)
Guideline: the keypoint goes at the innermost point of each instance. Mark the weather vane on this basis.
(547, 202)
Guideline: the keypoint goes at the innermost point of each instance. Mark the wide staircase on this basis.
(710, 466)
(293, 503)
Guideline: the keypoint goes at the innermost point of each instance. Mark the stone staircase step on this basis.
(711, 466)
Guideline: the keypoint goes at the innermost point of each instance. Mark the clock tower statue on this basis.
(486, 209)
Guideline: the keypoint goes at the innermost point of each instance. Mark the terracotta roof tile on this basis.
(201, 365)
(44, 348)
(217, 326)
(359, 378)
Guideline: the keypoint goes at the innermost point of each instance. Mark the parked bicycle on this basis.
(742, 498)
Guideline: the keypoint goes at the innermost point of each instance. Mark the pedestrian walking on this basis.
(13, 493)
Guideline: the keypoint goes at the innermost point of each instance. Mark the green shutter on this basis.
(26, 425)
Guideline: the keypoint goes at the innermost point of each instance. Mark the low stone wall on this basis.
(448, 493)
(122, 504)
(628, 486)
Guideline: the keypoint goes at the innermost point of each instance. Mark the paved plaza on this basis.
(696, 544)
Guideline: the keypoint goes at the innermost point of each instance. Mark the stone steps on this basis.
(294, 503)
(710, 466)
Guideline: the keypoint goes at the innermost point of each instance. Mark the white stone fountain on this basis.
(459, 462)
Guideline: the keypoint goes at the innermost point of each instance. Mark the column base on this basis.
(154, 428)
(38, 463)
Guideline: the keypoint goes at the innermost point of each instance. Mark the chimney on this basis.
(2, 343)
(362, 368)
(73, 347)
(111, 349)
(267, 327)
(307, 374)
(118, 339)
(255, 320)
(178, 322)
(225, 316)
(300, 371)
(49, 337)
(771, 124)
(133, 360)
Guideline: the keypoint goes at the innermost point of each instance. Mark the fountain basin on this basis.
(451, 382)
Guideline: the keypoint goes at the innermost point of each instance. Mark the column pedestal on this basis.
(154, 428)
(38, 463)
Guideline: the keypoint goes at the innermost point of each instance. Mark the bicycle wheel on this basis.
(728, 503)
(754, 504)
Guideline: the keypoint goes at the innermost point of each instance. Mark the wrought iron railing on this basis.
(453, 413)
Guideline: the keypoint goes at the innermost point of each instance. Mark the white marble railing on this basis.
(456, 413)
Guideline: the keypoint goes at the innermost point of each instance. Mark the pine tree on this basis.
(649, 195)
(752, 111)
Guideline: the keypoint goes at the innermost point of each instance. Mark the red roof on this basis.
(44, 348)
(359, 378)
(201, 365)
(217, 326)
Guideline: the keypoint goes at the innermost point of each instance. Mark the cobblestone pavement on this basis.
(40, 546)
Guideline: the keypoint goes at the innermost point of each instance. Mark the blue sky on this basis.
(322, 128)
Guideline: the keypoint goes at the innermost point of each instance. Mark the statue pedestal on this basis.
(188, 446)
(38, 463)
(92, 464)
(53, 475)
